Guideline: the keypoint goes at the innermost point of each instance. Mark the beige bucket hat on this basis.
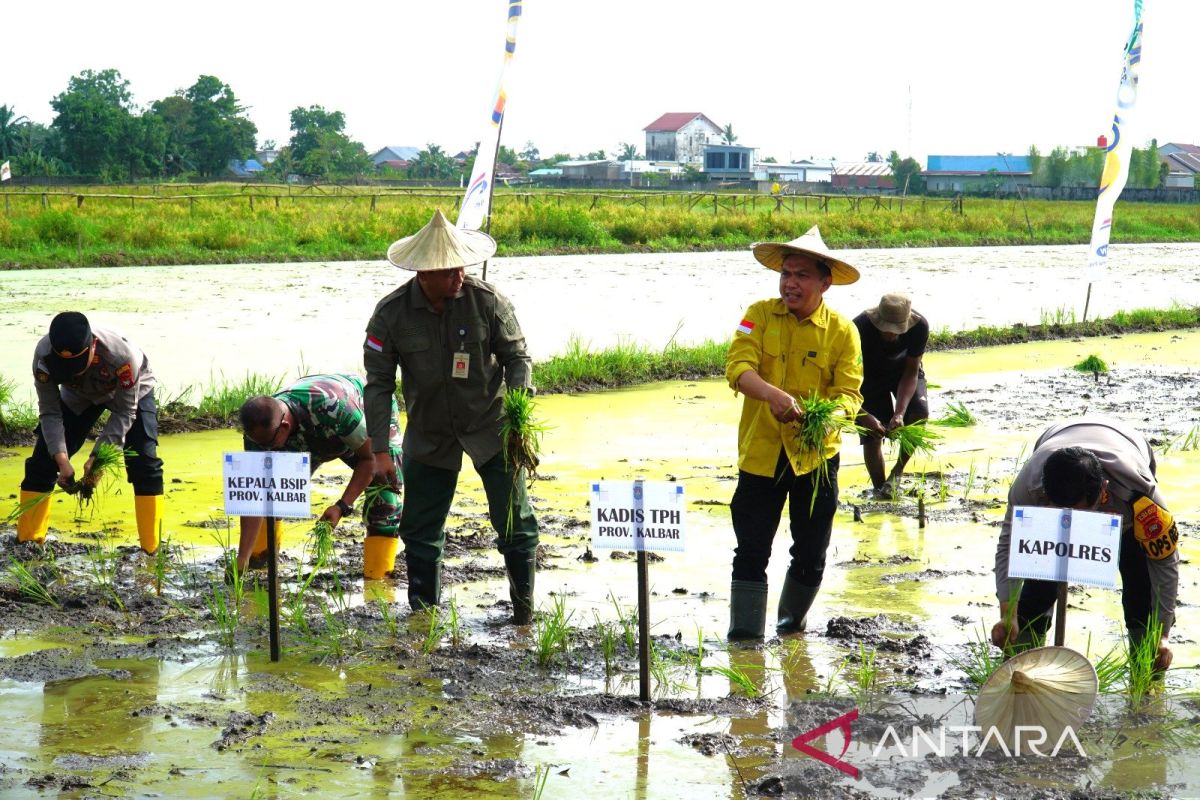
(440, 245)
(771, 255)
(893, 314)
(1050, 687)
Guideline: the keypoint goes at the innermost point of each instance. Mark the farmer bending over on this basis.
(1095, 464)
(458, 346)
(79, 372)
(791, 347)
(893, 340)
(323, 415)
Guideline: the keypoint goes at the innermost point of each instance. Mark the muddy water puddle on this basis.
(149, 699)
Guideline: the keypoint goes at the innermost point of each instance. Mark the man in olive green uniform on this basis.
(458, 345)
(79, 371)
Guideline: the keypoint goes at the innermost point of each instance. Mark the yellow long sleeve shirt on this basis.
(818, 354)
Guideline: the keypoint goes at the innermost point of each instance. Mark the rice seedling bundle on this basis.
(1093, 364)
(914, 438)
(823, 419)
(957, 416)
(108, 460)
(520, 434)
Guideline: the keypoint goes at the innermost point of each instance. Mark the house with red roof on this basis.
(680, 136)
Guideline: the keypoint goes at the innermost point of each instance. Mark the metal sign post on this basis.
(272, 486)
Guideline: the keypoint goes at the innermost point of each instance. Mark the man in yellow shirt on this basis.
(787, 348)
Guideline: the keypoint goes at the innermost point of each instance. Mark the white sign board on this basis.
(267, 485)
(638, 515)
(1062, 544)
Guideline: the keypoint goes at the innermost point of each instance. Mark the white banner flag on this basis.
(478, 200)
(5, 171)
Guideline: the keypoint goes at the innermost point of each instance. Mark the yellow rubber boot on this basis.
(258, 556)
(33, 523)
(379, 556)
(148, 509)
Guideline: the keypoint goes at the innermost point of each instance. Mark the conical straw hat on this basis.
(1051, 687)
(772, 254)
(440, 245)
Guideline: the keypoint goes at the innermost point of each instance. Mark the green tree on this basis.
(873, 157)
(432, 162)
(727, 135)
(175, 112)
(217, 131)
(554, 159)
(627, 152)
(770, 160)
(595, 155)
(530, 153)
(10, 125)
(1055, 168)
(907, 174)
(95, 118)
(307, 126)
(1035, 163)
(334, 155)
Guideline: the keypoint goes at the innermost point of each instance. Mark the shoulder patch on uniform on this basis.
(125, 376)
(42, 377)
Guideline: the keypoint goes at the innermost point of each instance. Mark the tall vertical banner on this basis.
(1116, 159)
(478, 199)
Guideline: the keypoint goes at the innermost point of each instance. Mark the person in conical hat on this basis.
(458, 346)
(790, 347)
(893, 338)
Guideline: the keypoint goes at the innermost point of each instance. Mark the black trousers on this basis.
(1038, 598)
(756, 510)
(143, 470)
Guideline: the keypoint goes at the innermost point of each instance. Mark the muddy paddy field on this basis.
(143, 677)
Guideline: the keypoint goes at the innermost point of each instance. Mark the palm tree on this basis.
(9, 124)
(628, 152)
(728, 134)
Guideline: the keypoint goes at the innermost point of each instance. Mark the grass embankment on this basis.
(230, 224)
(581, 369)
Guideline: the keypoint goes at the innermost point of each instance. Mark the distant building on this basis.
(245, 169)
(728, 162)
(680, 136)
(267, 156)
(546, 172)
(394, 153)
(1183, 164)
(590, 170)
(974, 173)
(803, 171)
(863, 175)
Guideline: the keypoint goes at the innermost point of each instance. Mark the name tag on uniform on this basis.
(461, 365)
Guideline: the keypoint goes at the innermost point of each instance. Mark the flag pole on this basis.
(487, 221)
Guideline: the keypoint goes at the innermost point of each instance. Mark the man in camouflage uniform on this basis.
(458, 346)
(322, 415)
(79, 372)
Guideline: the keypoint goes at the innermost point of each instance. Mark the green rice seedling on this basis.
(436, 631)
(321, 537)
(552, 631)
(981, 659)
(865, 674)
(521, 438)
(915, 438)
(260, 599)
(28, 584)
(822, 420)
(608, 644)
(14, 416)
(389, 620)
(628, 620)
(1140, 658)
(224, 398)
(1093, 364)
(957, 416)
(162, 566)
(972, 476)
(540, 777)
(737, 677)
(1184, 442)
(700, 652)
(1111, 668)
(20, 508)
(103, 563)
(943, 485)
(223, 607)
(370, 495)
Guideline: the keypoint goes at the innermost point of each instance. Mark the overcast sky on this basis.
(796, 79)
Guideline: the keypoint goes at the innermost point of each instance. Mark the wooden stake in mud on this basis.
(643, 628)
(920, 512)
(1060, 618)
(273, 588)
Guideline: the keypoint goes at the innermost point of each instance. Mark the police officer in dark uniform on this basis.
(80, 371)
(458, 346)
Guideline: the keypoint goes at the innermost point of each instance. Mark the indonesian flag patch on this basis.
(375, 343)
(745, 326)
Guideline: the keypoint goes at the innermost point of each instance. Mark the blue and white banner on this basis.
(478, 200)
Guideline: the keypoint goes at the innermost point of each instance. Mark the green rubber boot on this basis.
(747, 610)
(521, 568)
(424, 582)
(794, 602)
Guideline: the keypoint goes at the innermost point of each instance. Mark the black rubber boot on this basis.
(747, 610)
(794, 602)
(424, 582)
(521, 568)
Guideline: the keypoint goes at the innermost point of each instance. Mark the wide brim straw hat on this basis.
(772, 254)
(894, 314)
(1051, 687)
(440, 245)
